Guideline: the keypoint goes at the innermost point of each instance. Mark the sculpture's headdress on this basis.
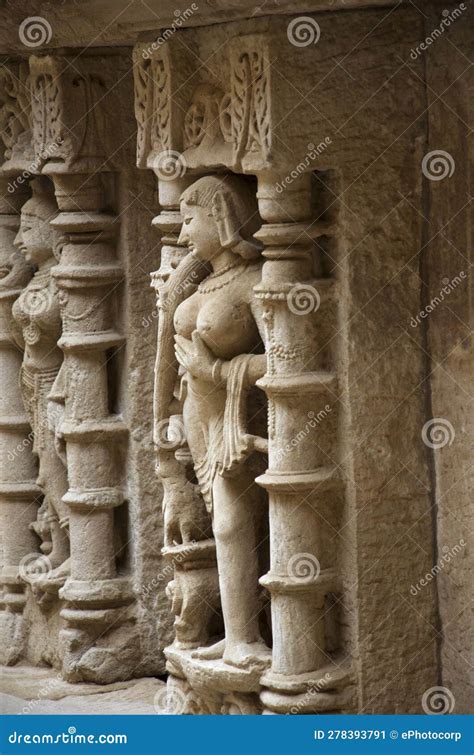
(234, 207)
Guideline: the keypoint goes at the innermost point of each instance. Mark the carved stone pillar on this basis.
(95, 594)
(98, 641)
(18, 490)
(302, 479)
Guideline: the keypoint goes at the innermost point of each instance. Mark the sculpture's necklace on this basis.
(239, 268)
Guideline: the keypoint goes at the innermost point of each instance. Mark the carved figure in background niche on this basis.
(219, 347)
(37, 313)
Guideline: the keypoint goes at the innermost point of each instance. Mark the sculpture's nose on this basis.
(183, 237)
(18, 240)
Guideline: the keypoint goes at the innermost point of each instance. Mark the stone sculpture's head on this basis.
(36, 239)
(220, 212)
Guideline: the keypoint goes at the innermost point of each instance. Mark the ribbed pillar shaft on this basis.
(301, 475)
(87, 277)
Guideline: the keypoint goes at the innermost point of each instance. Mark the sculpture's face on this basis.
(200, 232)
(34, 238)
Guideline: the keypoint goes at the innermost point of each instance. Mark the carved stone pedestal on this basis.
(204, 687)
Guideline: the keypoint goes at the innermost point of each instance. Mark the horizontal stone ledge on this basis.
(19, 491)
(83, 221)
(91, 617)
(309, 702)
(14, 422)
(98, 499)
(193, 555)
(297, 385)
(336, 675)
(167, 222)
(101, 592)
(280, 290)
(90, 275)
(13, 601)
(317, 480)
(93, 430)
(326, 581)
(91, 341)
(295, 234)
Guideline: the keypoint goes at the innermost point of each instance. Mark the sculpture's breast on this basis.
(226, 324)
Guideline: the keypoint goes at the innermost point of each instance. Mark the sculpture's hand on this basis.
(195, 356)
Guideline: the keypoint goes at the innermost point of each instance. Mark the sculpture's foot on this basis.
(52, 580)
(210, 653)
(61, 572)
(247, 654)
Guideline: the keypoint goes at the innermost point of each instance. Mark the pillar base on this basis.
(198, 686)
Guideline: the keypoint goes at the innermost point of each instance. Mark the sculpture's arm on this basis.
(197, 358)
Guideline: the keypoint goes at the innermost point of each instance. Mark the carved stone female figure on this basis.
(219, 348)
(37, 313)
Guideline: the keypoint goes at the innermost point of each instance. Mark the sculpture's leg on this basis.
(53, 480)
(236, 515)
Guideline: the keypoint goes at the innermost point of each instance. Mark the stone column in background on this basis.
(19, 493)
